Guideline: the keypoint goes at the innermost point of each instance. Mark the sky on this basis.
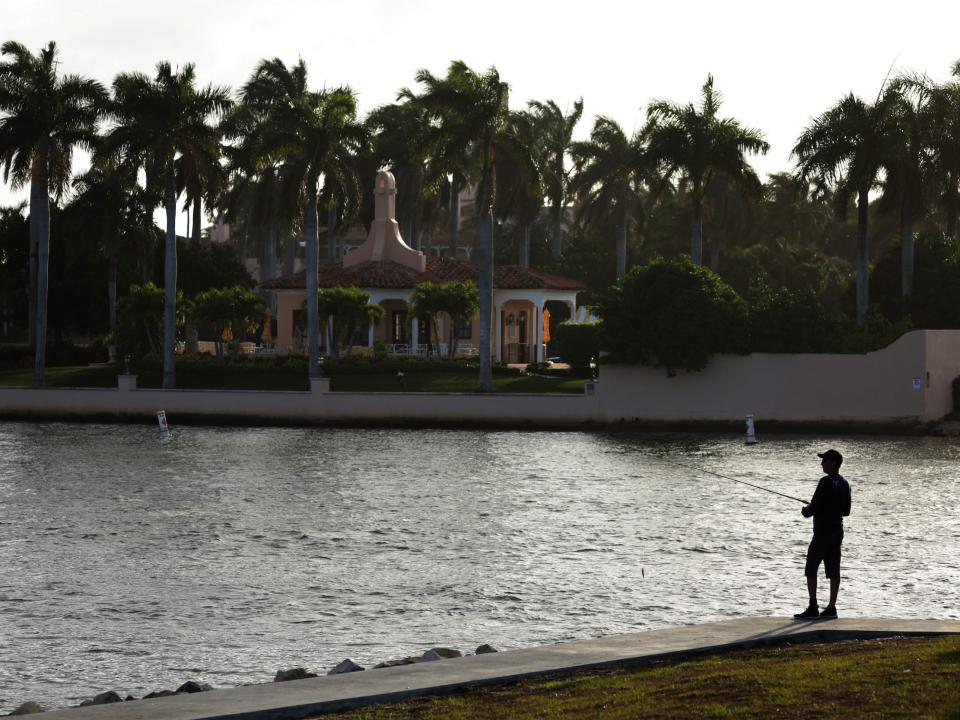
(778, 64)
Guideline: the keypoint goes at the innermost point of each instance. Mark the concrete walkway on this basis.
(302, 698)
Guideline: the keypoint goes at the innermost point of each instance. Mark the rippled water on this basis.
(225, 554)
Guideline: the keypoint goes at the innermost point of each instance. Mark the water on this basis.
(226, 554)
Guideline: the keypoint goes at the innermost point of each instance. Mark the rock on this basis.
(28, 708)
(292, 674)
(395, 663)
(439, 653)
(128, 698)
(191, 686)
(104, 698)
(484, 649)
(159, 693)
(346, 666)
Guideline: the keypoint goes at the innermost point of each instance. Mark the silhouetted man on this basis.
(830, 504)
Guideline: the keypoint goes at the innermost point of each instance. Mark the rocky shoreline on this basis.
(298, 673)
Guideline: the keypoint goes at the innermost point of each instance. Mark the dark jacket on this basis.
(830, 504)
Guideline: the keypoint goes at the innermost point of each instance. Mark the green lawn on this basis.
(855, 680)
(454, 382)
(266, 380)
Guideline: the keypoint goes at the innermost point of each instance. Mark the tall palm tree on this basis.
(520, 180)
(472, 113)
(696, 143)
(402, 143)
(848, 145)
(908, 174)
(156, 120)
(316, 136)
(941, 120)
(556, 138)
(43, 117)
(109, 209)
(612, 174)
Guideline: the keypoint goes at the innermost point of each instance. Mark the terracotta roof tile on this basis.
(439, 269)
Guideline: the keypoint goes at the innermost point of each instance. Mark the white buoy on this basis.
(751, 432)
(162, 421)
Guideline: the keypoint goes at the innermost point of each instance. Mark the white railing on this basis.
(463, 349)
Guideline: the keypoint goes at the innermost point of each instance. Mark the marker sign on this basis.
(162, 421)
(917, 384)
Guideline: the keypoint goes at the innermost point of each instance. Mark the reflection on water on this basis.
(225, 554)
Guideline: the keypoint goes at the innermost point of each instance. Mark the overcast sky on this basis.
(776, 63)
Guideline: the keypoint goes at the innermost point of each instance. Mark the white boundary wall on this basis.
(907, 382)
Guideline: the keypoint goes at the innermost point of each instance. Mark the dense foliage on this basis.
(672, 314)
(578, 343)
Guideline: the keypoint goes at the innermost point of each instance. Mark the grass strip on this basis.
(457, 382)
(854, 680)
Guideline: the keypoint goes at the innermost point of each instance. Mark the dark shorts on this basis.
(825, 548)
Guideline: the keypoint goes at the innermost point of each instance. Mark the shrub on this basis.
(782, 321)
(672, 314)
(578, 343)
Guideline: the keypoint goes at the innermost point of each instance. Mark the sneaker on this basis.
(811, 612)
(829, 612)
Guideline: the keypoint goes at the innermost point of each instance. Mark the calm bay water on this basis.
(225, 554)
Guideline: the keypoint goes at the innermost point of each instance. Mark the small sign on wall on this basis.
(917, 383)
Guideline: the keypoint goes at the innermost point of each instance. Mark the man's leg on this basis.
(834, 589)
(812, 589)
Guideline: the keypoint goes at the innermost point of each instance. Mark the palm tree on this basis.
(908, 174)
(472, 116)
(848, 145)
(941, 120)
(316, 136)
(697, 144)
(43, 117)
(612, 172)
(156, 119)
(556, 134)
(520, 180)
(109, 209)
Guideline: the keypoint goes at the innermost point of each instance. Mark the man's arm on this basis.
(846, 500)
(816, 502)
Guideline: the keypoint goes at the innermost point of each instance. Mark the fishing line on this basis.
(742, 482)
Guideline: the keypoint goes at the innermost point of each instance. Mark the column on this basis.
(498, 332)
(370, 336)
(330, 335)
(414, 335)
(538, 332)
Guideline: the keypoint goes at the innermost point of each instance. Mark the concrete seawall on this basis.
(901, 387)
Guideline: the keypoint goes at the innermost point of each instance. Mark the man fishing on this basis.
(830, 503)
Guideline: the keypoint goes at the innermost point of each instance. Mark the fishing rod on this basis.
(742, 482)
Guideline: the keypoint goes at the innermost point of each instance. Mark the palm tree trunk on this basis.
(696, 233)
(170, 281)
(196, 220)
(906, 254)
(622, 250)
(332, 231)
(289, 253)
(43, 264)
(485, 284)
(525, 246)
(557, 240)
(413, 240)
(953, 205)
(454, 218)
(863, 258)
(112, 294)
(313, 319)
(35, 197)
(715, 255)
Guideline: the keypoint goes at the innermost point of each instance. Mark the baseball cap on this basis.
(831, 454)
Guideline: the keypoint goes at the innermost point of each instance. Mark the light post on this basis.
(400, 379)
(593, 368)
(126, 364)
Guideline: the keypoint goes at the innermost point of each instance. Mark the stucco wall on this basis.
(876, 387)
(873, 388)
